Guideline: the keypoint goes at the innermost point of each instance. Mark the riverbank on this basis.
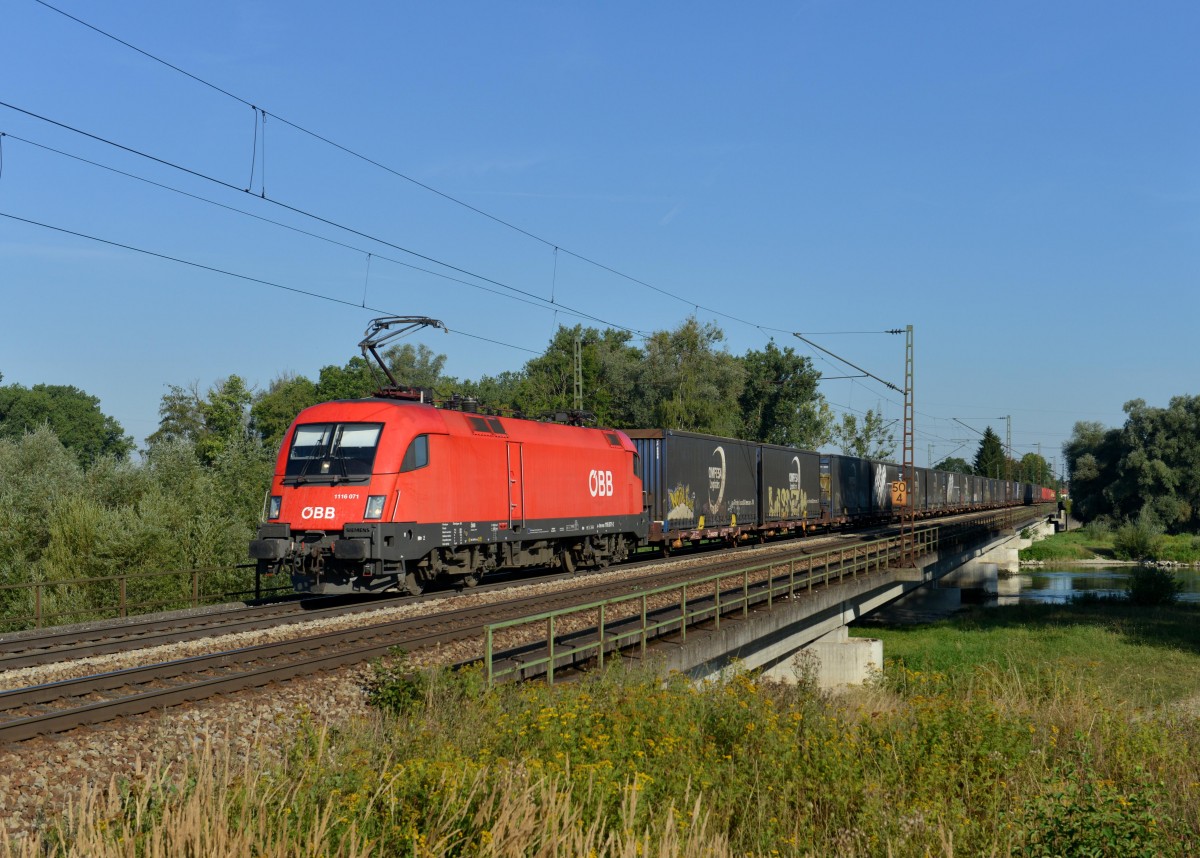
(1129, 544)
(1027, 730)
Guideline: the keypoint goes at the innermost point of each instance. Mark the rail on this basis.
(109, 596)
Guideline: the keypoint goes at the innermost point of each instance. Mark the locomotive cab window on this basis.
(333, 451)
(417, 454)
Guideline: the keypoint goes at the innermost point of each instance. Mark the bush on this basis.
(1138, 540)
(1079, 812)
(1150, 585)
(1099, 528)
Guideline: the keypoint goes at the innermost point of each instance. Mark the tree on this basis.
(779, 403)
(955, 465)
(73, 416)
(608, 366)
(1092, 454)
(686, 382)
(275, 408)
(210, 422)
(1033, 469)
(989, 461)
(872, 439)
(1159, 465)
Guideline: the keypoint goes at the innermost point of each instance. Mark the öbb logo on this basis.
(318, 512)
(600, 483)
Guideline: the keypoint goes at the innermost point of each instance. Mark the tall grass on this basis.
(1006, 756)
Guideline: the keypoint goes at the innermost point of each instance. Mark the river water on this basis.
(1059, 585)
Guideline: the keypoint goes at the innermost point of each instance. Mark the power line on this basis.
(234, 274)
(304, 213)
(530, 302)
(391, 170)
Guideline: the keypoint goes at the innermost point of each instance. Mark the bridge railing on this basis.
(596, 629)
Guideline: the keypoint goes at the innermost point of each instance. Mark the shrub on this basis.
(1081, 813)
(1138, 540)
(1150, 585)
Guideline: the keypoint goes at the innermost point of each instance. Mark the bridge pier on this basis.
(834, 660)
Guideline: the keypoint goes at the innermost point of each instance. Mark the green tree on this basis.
(870, 439)
(1032, 468)
(686, 381)
(73, 416)
(1159, 464)
(608, 366)
(275, 408)
(990, 459)
(1092, 454)
(779, 403)
(955, 465)
(210, 422)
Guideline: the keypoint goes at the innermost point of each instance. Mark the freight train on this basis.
(391, 493)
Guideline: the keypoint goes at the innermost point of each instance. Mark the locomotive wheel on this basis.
(412, 585)
(470, 581)
(568, 562)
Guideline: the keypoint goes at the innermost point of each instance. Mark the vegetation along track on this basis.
(64, 705)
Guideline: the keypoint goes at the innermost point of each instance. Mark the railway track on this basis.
(64, 705)
(53, 646)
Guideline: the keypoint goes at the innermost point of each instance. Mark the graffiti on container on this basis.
(882, 488)
(683, 504)
(716, 484)
(790, 501)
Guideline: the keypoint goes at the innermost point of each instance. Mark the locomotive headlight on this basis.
(375, 506)
(273, 509)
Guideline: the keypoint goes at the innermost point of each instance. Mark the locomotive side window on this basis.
(333, 451)
(417, 454)
(637, 466)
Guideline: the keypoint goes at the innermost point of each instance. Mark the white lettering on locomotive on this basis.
(600, 483)
(318, 512)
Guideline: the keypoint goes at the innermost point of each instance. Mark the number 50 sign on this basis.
(899, 493)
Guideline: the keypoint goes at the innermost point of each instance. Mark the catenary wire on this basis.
(304, 213)
(224, 272)
(397, 173)
(544, 305)
(353, 153)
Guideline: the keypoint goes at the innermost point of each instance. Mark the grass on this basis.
(1041, 730)
(1095, 542)
(1135, 658)
(1084, 544)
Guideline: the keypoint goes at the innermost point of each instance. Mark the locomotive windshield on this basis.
(332, 452)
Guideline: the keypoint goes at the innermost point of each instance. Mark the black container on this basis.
(850, 486)
(789, 484)
(696, 481)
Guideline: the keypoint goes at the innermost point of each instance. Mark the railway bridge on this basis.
(767, 613)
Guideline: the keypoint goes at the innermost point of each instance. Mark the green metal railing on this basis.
(109, 596)
(640, 621)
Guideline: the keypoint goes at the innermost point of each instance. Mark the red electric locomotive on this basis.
(389, 494)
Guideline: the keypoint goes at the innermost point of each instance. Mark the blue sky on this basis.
(1020, 181)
